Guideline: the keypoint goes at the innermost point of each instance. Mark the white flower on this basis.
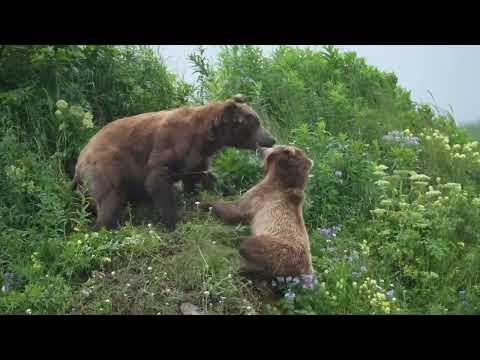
(29, 311)
(206, 293)
(197, 203)
(149, 268)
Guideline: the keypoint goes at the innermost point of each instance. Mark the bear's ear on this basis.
(229, 110)
(239, 98)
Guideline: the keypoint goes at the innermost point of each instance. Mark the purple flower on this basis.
(289, 295)
(326, 232)
(338, 173)
(390, 294)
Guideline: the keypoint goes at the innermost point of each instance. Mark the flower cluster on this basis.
(468, 151)
(330, 232)
(8, 280)
(380, 299)
(305, 281)
(402, 137)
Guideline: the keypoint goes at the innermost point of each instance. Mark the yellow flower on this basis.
(419, 177)
(378, 212)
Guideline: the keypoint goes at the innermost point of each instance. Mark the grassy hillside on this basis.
(392, 208)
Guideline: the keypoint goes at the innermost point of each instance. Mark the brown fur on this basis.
(141, 157)
(279, 245)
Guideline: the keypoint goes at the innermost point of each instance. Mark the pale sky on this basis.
(450, 72)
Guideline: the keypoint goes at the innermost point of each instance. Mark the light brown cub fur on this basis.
(279, 245)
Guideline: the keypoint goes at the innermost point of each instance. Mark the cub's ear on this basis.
(239, 98)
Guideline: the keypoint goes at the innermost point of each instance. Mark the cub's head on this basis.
(239, 126)
(287, 165)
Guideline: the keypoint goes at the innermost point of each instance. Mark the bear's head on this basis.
(239, 126)
(286, 165)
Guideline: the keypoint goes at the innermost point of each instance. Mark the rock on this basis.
(189, 309)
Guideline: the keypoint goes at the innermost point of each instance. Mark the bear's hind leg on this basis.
(270, 256)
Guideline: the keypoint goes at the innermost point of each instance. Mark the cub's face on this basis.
(242, 128)
(288, 165)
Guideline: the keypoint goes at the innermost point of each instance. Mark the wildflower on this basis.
(363, 268)
(113, 273)
(87, 121)
(381, 167)
(401, 172)
(420, 184)
(355, 275)
(289, 295)
(229, 276)
(149, 225)
(326, 232)
(149, 268)
(128, 285)
(433, 193)
(206, 293)
(382, 183)
(86, 292)
(419, 177)
(338, 173)
(107, 301)
(28, 311)
(386, 202)
(378, 212)
(461, 294)
(62, 105)
(452, 186)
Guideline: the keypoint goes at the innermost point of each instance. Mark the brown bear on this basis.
(143, 156)
(279, 245)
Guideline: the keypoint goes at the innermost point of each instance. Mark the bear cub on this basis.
(279, 245)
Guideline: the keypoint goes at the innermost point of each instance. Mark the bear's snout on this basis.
(264, 139)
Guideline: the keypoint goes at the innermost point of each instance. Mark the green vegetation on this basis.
(393, 204)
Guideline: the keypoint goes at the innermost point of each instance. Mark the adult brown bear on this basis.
(141, 157)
